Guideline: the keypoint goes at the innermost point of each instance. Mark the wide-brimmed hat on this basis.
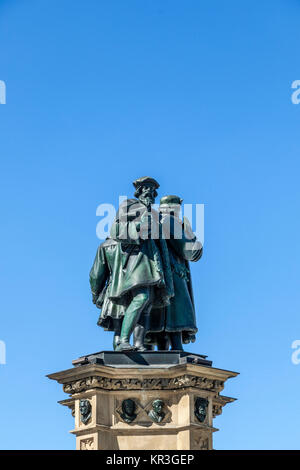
(145, 181)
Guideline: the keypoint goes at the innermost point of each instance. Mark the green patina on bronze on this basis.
(140, 278)
(156, 413)
(85, 409)
(201, 405)
(128, 411)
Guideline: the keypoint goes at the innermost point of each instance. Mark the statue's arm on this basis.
(184, 242)
(193, 248)
(125, 228)
(125, 232)
(98, 274)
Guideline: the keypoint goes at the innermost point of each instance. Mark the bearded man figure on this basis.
(132, 273)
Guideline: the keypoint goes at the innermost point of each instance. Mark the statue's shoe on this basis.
(124, 347)
(141, 349)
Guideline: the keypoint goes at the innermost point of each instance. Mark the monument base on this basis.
(144, 401)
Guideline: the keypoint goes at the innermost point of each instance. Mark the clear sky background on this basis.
(196, 94)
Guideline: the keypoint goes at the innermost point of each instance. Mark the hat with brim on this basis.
(169, 202)
(145, 181)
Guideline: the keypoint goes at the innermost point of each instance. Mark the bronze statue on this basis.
(140, 278)
(85, 409)
(201, 405)
(176, 322)
(128, 411)
(156, 413)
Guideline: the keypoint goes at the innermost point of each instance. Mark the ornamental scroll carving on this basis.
(87, 444)
(200, 441)
(175, 383)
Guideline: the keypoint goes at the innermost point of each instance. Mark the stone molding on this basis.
(160, 383)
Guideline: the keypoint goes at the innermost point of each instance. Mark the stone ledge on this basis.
(106, 372)
(146, 359)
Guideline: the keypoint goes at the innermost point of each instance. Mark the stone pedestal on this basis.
(172, 399)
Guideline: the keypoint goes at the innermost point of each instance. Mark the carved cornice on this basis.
(216, 409)
(218, 403)
(70, 403)
(162, 383)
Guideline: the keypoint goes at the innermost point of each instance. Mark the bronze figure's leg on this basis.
(141, 329)
(117, 322)
(163, 341)
(141, 299)
(176, 341)
(138, 338)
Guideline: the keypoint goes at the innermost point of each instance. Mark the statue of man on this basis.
(132, 274)
(156, 413)
(85, 410)
(176, 323)
(128, 410)
(201, 405)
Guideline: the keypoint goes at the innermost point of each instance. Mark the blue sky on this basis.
(198, 95)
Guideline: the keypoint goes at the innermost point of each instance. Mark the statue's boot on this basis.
(117, 325)
(124, 346)
(193, 338)
(139, 337)
(140, 330)
(176, 341)
(116, 341)
(133, 312)
(189, 339)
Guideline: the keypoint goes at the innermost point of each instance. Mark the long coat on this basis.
(179, 315)
(126, 261)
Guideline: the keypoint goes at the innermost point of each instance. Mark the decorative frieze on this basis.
(106, 383)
